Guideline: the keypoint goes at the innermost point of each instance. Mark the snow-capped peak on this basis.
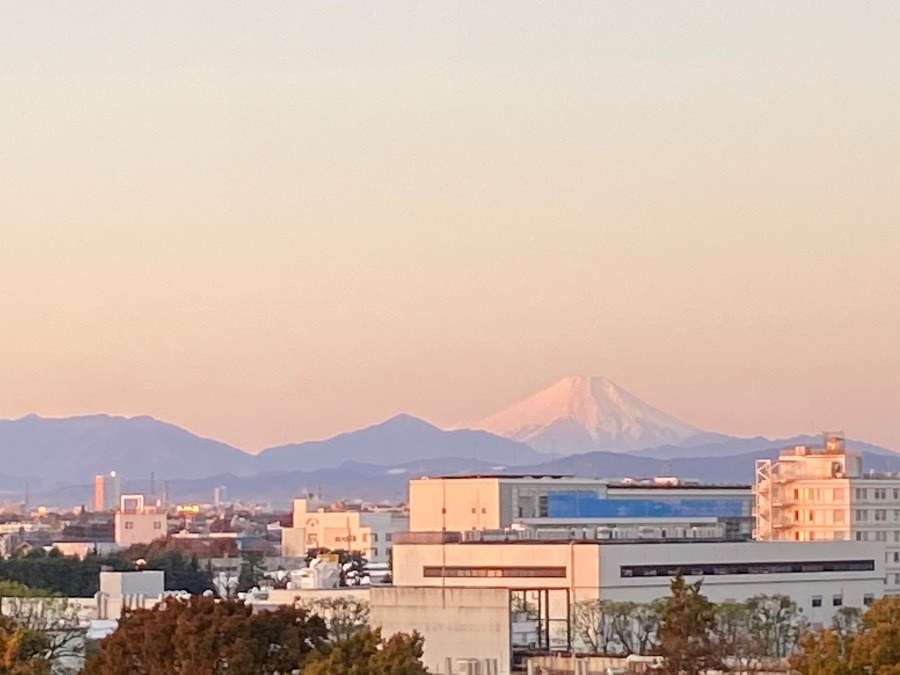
(582, 413)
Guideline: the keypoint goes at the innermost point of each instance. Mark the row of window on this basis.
(820, 516)
(472, 571)
(837, 600)
(878, 515)
(878, 494)
(712, 569)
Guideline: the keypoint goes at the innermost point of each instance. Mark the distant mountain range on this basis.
(572, 419)
(399, 440)
(577, 414)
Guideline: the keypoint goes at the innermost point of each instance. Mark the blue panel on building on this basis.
(589, 505)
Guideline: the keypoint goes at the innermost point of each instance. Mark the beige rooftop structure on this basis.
(496, 502)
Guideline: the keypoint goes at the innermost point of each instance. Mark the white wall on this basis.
(455, 622)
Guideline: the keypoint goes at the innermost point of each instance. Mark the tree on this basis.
(776, 621)
(56, 619)
(592, 625)
(823, 652)
(22, 651)
(252, 567)
(366, 653)
(343, 616)
(876, 647)
(686, 631)
(204, 636)
(733, 638)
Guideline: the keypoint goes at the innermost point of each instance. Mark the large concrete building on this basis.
(814, 494)
(525, 589)
(368, 532)
(562, 506)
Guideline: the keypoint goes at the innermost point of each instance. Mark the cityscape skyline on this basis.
(299, 221)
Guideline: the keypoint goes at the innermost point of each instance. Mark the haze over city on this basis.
(272, 226)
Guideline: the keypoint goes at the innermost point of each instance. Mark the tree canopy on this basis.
(367, 653)
(204, 636)
(866, 645)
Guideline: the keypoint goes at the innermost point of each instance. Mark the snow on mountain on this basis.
(579, 414)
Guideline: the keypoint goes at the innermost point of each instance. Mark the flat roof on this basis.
(636, 483)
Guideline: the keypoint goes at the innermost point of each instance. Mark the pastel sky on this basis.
(269, 222)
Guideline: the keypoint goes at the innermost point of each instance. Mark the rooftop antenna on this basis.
(152, 483)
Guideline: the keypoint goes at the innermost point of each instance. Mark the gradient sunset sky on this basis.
(269, 222)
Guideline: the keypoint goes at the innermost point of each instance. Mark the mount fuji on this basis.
(581, 414)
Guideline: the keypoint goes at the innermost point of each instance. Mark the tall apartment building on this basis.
(107, 491)
(822, 494)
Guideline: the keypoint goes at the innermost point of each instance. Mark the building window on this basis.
(881, 536)
(837, 495)
(861, 515)
(129, 525)
(896, 494)
(838, 517)
(868, 599)
(837, 600)
(817, 601)
(389, 536)
(460, 571)
(897, 556)
(157, 525)
(880, 515)
(711, 569)
(483, 510)
(880, 493)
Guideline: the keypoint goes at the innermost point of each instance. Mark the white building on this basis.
(367, 532)
(465, 598)
(136, 523)
(812, 494)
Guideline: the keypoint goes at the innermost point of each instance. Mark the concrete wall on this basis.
(580, 562)
(455, 505)
(139, 528)
(851, 586)
(596, 569)
(149, 583)
(457, 623)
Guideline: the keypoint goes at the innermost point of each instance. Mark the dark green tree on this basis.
(686, 635)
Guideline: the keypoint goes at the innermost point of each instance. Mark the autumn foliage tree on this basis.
(869, 645)
(367, 653)
(22, 651)
(204, 636)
